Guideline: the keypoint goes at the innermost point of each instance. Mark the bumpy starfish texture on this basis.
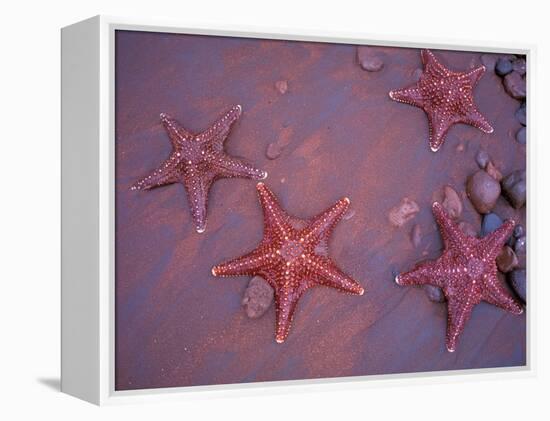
(466, 272)
(197, 160)
(292, 257)
(445, 96)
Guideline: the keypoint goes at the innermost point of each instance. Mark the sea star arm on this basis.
(176, 132)
(166, 173)
(410, 95)
(423, 273)
(475, 74)
(458, 313)
(229, 167)
(286, 299)
(432, 65)
(438, 126)
(220, 129)
(197, 188)
(476, 119)
(325, 272)
(274, 216)
(322, 225)
(492, 243)
(495, 293)
(250, 264)
(452, 235)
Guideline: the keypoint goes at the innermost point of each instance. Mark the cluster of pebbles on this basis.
(512, 69)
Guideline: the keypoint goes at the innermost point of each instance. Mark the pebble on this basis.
(521, 136)
(521, 114)
(493, 171)
(518, 281)
(434, 293)
(404, 212)
(514, 84)
(520, 66)
(274, 150)
(503, 66)
(506, 260)
(482, 158)
(520, 248)
(416, 235)
(281, 86)
(490, 222)
(368, 59)
(451, 202)
(515, 188)
(467, 228)
(489, 61)
(483, 191)
(519, 231)
(257, 298)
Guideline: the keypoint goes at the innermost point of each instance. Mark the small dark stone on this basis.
(514, 187)
(368, 59)
(434, 293)
(515, 85)
(521, 245)
(506, 260)
(519, 231)
(521, 136)
(521, 114)
(482, 158)
(520, 66)
(518, 281)
(483, 191)
(257, 297)
(490, 222)
(273, 150)
(503, 66)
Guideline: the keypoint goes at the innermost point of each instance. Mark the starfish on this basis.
(197, 160)
(466, 272)
(292, 257)
(445, 96)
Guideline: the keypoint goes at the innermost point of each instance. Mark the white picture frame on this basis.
(88, 212)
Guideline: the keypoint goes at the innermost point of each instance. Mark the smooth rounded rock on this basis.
(519, 65)
(521, 114)
(506, 260)
(515, 85)
(503, 66)
(518, 281)
(434, 293)
(514, 187)
(483, 191)
(482, 158)
(257, 298)
(451, 202)
(490, 222)
(521, 136)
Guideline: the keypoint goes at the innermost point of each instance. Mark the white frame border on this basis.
(107, 394)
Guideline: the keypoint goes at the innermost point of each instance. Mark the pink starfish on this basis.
(466, 272)
(197, 160)
(445, 96)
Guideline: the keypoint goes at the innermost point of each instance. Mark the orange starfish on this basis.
(445, 96)
(197, 160)
(466, 272)
(292, 257)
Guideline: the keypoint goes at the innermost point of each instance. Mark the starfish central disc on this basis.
(291, 250)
